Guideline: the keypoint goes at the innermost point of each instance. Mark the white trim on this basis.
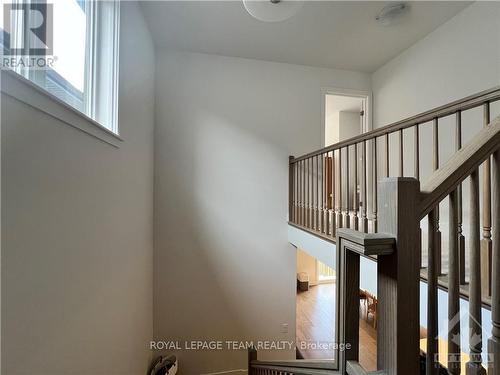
(363, 94)
(27, 92)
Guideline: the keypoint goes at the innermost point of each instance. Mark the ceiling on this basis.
(332, 34)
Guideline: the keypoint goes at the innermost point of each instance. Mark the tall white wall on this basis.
(77, 231)
(458, 59)
(223, 266)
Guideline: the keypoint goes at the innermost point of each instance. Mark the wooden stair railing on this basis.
(336, 186)
(484, 147)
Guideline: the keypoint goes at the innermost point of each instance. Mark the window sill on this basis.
(27, 92)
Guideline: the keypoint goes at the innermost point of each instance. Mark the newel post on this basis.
(252, 356)
(398, 278)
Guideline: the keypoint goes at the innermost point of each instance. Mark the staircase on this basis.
(366, 196)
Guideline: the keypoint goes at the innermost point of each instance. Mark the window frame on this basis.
(99, 100)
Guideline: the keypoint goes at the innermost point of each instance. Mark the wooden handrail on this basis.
(459, 167)
(464, 104)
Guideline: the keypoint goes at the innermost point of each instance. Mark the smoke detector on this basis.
(392, 14)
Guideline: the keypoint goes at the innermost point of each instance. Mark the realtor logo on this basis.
(28, 29)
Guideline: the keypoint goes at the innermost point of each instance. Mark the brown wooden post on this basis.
(432, 298)
(494, 340)
(398, 278)
(364, 217)
(340, 221)
(355, 203)
(347, 218)
(331, 213)
(401, 154)
(453, 290)
(252, 356)
(474, 366)
(486, 244)
(461, 238)
(435, 166)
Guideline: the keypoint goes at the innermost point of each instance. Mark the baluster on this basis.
(374, 183)
(299, 193)
(416, 172)
(339, 207)
(494, 341)
(308, 199)
(401, 167)
(303, 204)
(486, 244)
(316, 216)
(327, 193)
(453, 289)
(435, 166)
(416, 138)
(311, 193)
(297, 184)
(461, 238)
(475, 337)
(365, 192)
(432, 363)
(387, 155)
(355, 204)
(290, 189)
(331, 212)
(347, 220)
(323, 179)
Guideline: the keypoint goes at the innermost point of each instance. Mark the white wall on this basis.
(77, 242)
(225, 128)
(458, 59)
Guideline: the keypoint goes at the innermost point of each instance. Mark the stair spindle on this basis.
(347, 219)
(453, 289)
(461, 238)
(435, 166)
(386, 155)
(355, 203)
(374, 183)
(474, 366)
(401, 166)
(331, 212)
(494, 340)
(432, 363)
(486, 244)
(338, 203)
(364, 218)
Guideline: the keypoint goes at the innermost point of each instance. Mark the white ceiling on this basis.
(333, 34)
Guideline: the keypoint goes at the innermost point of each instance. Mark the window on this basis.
(69, 48)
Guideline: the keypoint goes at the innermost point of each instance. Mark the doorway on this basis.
(346, 114)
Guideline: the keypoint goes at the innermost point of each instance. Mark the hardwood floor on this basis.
(316, 327)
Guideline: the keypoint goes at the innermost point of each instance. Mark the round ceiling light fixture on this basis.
(392, 14)
(272, 10)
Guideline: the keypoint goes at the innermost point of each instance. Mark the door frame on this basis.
(367, 97)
